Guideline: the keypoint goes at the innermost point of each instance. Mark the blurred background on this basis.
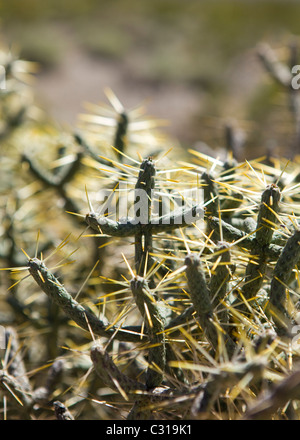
(194, 62)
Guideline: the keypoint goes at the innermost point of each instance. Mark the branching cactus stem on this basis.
(210, 192)
(143, 193)
(240, 238)
(154, 323)
(200, 297)
(111, 375)
(267, 217)
(220, 278)
(281, 276)
(75, 311)
(180, 218)
(121, 132)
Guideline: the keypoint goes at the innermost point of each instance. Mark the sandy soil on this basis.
(81, 78)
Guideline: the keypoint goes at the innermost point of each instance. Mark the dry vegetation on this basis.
(109, 318)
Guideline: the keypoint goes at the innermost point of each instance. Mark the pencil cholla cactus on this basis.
(182, 300)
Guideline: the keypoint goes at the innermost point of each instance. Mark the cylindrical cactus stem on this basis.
(142, 207)
(57, 181)
(254, 274)
(75, 311)
(108, 371)
(54, 376)
(229, 232)
(44, 176)
(201, 297)
(249, 225)
(154, 324)
(179, 218)
(287, 261)
(267, 217)
(210, 193)
(88, 149)
(229, 166)
(42, 394)
(121, 132)
(220, 278)
(106, 226)
(233, 234)
(179, 320)
(15, 363)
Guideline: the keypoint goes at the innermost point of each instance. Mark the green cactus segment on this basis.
(255, 272)
(236, 236)
(287, 261)
(146, 181)
(143, 240)
(82, 316)
(249, 225)
(180, 218)
(210, 191)
(267, 217)
(78, 138)
(120, 137)
(219, 283)
(59, 180)
(200, 297)
(230, 232)
(180, 320)
(106, 226)
(108, 371)
(154, 324)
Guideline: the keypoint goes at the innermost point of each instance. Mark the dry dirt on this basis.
(80, 77)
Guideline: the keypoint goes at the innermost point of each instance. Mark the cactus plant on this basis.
(183, 306)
